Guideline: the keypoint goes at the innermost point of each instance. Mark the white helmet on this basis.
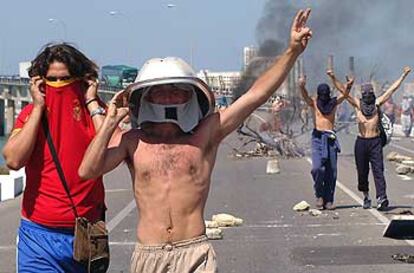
(168, 71)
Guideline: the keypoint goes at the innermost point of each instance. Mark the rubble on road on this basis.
(214, 233)
(268, 144)
(227, 220)
(402, 257)
(396, 157)
(211, 224)
(214, 227)
(301, 206)
(401, 212)
(405, 164)
(404, 169)
(272, 167)
(315, 212)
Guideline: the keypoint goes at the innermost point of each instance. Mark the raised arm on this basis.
(269, 82)
(382, 99)
(100, 159)
(304, 91)
(348, 86)
(344, 89)
(20, 145)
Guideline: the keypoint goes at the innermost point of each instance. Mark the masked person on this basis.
(406, 115)
(63, 87)
(368, 145)
(325, 145)
(172, 150)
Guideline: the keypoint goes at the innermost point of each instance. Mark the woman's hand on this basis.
(37, 91)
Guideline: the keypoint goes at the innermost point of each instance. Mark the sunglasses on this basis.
(55, 79)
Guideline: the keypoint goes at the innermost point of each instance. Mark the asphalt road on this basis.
(273, 237)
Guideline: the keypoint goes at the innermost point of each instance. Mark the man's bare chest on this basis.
(168, 159)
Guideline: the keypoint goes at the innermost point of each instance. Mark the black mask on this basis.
(325, 103)
(367, 102)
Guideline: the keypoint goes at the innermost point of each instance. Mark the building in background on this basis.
(223, 83)
(24, 69)
(249, 53)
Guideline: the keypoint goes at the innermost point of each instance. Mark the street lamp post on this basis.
(63, 25)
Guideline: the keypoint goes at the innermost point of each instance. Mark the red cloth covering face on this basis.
(45, 200)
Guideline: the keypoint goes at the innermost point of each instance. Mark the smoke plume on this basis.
(378, 33)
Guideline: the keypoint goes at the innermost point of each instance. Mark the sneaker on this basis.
(319, 203)
(367, 203)
(382, 204)
(330, 206)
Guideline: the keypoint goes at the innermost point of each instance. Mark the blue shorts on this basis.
(45, 250)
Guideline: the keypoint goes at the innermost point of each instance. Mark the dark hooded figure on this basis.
(325, 103)
(368, 148)
(324, 142)
(367, 101)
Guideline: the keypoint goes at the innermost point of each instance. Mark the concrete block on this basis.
(273, 167)
(12, 185)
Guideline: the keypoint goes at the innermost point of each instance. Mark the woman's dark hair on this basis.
(78, 64)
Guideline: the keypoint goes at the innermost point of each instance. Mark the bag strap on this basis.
(57, 162)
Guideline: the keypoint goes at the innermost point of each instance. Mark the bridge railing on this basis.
(14, 80)
(105, 90)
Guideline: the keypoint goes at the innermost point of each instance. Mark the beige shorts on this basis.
(194, 255)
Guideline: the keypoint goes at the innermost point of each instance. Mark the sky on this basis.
(379, 33)
(215, 31)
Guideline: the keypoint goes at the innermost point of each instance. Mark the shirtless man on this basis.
(171, 152)
(368, 145)
(325, 145)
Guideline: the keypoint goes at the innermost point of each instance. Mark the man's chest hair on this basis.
(167, 158)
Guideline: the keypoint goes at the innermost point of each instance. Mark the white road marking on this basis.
(7, 248)
(404, 177)
(121, 216)
(409, 196)
(354, 196)
(117, 190)
(310, 225)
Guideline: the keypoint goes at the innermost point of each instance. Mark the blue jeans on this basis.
(45, 250)
(325, 148)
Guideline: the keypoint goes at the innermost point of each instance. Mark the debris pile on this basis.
(405, 164)
(214, 228)
(402, 257)
(227, 220)
(268, 144)
(301, 206)
(304, 206)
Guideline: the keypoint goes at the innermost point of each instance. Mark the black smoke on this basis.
(378, 33)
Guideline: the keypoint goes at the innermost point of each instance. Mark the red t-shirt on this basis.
(45, 200)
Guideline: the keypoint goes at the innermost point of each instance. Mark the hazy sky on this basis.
(216, 29)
